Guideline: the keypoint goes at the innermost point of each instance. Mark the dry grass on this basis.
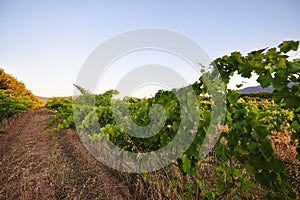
(286, 151)
(37, 165)
(158, 185)
(283, 149)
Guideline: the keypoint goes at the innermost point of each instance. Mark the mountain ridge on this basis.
(258, 88)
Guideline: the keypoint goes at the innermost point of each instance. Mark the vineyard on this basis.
(255, 157)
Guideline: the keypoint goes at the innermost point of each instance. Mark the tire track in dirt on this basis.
(39, 165)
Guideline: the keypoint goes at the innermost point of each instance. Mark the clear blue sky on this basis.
(44, 43)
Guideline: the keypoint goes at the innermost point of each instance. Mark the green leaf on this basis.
(294, 67)
(257, 161)
(186, 164)
(265, 80)
(266, 149)
(260, 132)
(245, 70)
(295, 125)
(278, 84)
(261, 179)
(3, 131)
(174, 182)
(239, 85)
(276, 165)
(271, 176)
(144, 176)
(233, 97)
(292, 101)
(250, 168)
(286, 46)
(281, 64)
(253, 147)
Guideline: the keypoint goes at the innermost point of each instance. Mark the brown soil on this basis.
(42, 165)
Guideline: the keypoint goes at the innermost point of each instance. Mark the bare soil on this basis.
(43, 165)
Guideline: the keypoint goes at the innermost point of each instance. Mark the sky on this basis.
(45, 43)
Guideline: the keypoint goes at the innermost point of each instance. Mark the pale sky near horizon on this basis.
(44, 43)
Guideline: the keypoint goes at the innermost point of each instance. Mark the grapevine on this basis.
(244, 156)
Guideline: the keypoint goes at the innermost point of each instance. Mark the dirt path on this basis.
(39, 165)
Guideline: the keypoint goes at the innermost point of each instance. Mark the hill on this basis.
(43, 99)
(8, 82)
(248, 90)
(14, 97)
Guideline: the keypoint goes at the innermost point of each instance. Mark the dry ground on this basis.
(42, 165)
